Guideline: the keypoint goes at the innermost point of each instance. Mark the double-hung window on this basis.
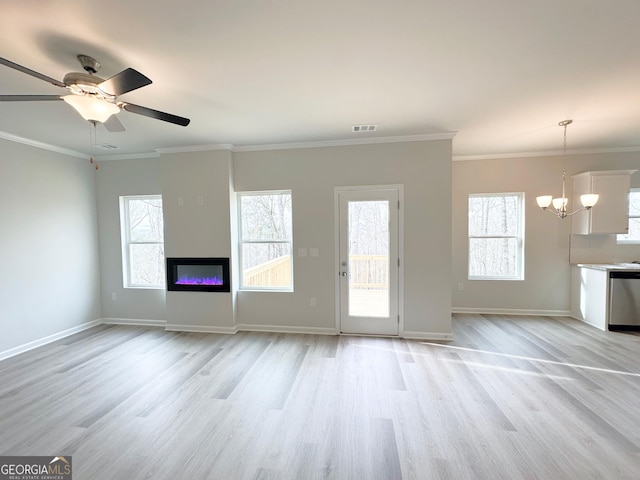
(496, 236)
(142, 241)
(634, 219)
(266, 243)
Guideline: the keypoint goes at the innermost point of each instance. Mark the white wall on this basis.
(116, 179)
(546, 288)
(424, 168)
(48, 245)
(191, 230)
(194, 229)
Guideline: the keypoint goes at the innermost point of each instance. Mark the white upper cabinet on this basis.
(611, 214)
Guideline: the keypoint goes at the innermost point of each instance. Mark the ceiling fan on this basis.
(93, 97)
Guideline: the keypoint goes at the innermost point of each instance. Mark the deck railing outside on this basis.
(274, 273)
(369, 272)
(366, 272)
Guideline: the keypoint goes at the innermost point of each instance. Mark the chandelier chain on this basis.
(564, 124)
(564, 150)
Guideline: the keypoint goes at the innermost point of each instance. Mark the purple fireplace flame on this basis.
(210, 274)
(188, 280)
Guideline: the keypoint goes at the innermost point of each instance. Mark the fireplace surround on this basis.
(209, 274)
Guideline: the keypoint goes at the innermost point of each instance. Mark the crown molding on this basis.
(548, 153)
(346, 142)
(282, 146)
(44, 146)
(127, 156)
(196, 148)
(318, 144)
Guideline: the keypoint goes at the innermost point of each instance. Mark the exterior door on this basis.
(368, 260)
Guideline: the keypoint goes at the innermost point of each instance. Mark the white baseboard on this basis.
(141, 322)
(245, 327)
(175, 327)
(514, 311)
(427, 336)
(205, 329)
(45, 340)
(332, 331)
(583, 320)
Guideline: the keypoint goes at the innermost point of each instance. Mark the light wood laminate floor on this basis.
(511, 398)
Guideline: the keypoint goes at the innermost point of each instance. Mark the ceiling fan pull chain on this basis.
(92, 142)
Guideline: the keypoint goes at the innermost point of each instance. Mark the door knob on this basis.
(344, 274)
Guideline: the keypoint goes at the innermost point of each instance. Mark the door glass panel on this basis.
(368, 258)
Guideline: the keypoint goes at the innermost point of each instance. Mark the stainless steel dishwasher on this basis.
(624, 300)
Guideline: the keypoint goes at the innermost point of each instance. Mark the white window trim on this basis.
(241, 242)
(633, 241)
(126, 241)
(519, 276)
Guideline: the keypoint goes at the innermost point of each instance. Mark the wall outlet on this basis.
(461, 287)
(114, 296)
(314, 252)
(313, 302)
(200, 200)
(181, 201)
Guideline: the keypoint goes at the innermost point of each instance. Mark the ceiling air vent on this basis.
(107, 146)
(363, 128)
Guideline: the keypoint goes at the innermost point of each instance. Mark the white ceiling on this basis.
(500, 73)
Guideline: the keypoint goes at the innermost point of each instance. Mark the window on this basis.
(634, 219)
(142, 241)
(265, 240)
(496, 236)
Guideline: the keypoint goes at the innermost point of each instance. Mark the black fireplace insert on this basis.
(198, 274)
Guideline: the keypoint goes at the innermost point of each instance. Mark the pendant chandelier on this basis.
(560, 204)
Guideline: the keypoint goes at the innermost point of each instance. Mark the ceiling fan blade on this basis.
(114, 125)
(28, 98)
(33, 73)
(123, 82)
(149, 112)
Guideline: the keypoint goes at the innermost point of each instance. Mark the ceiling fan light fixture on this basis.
(92, 109)
(86, 84)
(94, 98)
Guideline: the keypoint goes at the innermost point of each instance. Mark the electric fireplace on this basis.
(198, 274)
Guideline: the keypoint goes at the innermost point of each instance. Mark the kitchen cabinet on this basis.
(611, 214)
(591, 292)
(589, 295)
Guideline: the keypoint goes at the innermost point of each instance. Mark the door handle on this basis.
(344, 274)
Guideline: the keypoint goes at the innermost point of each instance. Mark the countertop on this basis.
(611, 267)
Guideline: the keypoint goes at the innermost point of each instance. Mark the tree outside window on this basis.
(142, 241)
(496, 236)
(266, 240)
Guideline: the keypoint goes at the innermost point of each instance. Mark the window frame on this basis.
(630, 241)
(519, 237)
(242, 242)
(125, 231)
